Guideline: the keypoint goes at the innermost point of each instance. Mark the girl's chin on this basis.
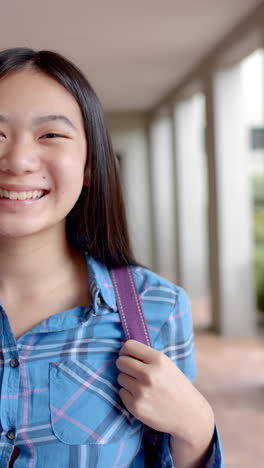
(27, 232)
(16, 235)
(15, 228)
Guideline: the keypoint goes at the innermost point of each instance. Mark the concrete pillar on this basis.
(161, 149)
(191, 188)
(230, 209)
(130, 140)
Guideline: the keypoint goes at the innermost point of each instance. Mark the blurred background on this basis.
(181, 82)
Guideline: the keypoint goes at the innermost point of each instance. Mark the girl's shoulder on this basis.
(168, 314)
(166, 309)
(151, 284)
(159, 296)
(163, 301)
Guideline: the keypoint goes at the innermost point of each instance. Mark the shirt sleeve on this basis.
(176, 340)
(215, 460)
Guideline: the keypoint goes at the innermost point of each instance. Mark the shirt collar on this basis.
(100, 283)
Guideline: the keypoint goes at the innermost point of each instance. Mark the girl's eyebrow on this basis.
(44, 118)
(52, 117)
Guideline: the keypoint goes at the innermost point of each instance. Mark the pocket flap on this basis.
(85, 404)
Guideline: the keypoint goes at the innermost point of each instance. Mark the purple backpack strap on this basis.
(129, 305)
(135, 327)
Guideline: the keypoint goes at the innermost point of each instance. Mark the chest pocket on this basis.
(85, 405)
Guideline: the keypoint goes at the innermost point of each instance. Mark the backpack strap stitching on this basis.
(120, 305)
(139, 308)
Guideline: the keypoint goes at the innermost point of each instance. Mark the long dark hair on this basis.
(97, 223)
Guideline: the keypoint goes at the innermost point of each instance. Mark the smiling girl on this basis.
(74, 393)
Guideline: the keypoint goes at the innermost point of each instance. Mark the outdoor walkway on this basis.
(231, 377)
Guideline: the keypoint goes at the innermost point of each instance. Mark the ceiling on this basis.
(133, 52)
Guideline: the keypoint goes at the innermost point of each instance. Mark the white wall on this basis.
(252, 73)
(234, 210)
(162, 173)
(192, 194)
(129, 136)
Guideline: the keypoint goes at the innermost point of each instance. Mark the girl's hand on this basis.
(157, 393)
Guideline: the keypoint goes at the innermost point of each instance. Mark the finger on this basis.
(131, 366)
(139, 351)
(127, 382)
(126, 397)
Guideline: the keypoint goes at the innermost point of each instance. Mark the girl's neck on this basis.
(35, 265)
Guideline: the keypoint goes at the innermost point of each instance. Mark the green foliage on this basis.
(258, 194)
(259, 226)
(259, 269)
(258, 190)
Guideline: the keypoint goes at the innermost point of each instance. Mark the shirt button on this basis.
(14, 363)
(11, 434)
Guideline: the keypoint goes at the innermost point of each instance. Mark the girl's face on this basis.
(42, 153)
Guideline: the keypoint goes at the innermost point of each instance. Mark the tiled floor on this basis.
(231, 377)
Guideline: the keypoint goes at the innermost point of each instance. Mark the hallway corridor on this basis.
(231, 377)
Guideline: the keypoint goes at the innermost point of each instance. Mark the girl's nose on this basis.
(19, 159)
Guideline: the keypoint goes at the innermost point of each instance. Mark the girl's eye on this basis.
(52, 135)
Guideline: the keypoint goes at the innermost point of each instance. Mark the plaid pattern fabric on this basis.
(60, 405)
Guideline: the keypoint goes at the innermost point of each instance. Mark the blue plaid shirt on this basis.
(60, 404)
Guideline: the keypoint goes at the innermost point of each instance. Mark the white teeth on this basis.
(12, 195)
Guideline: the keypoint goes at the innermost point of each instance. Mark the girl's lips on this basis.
(22, 188)
(14, 205)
